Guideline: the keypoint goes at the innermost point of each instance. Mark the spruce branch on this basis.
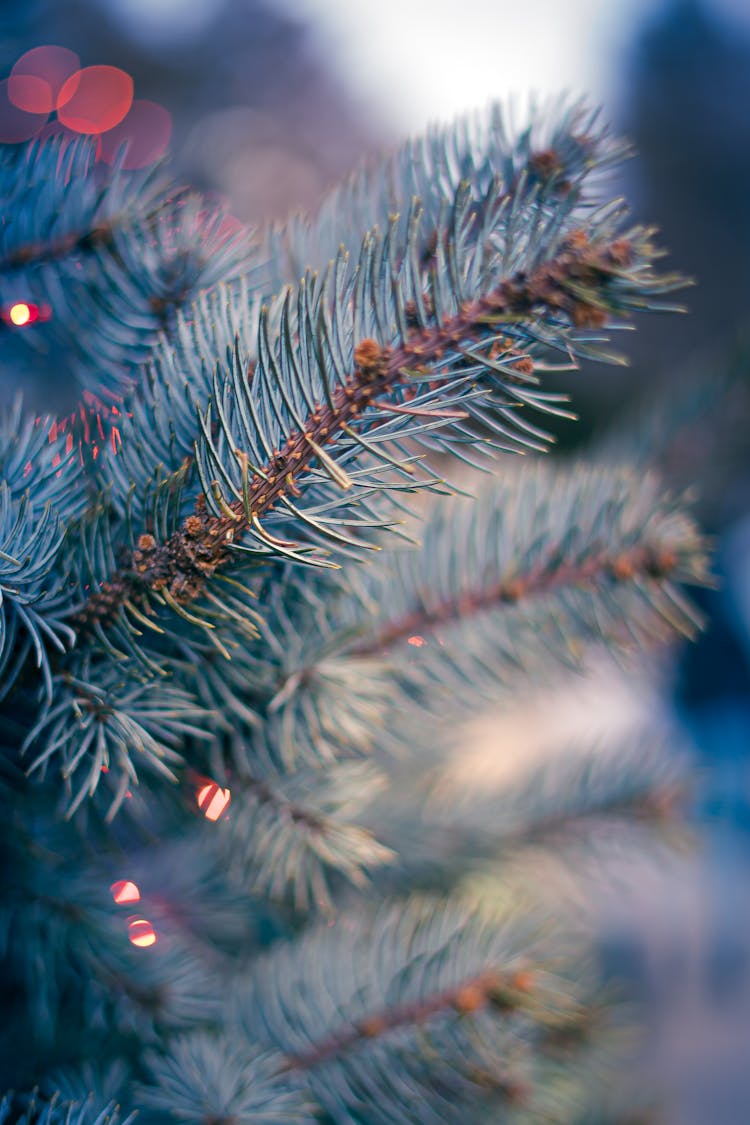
(408, 379)
(552, 160)
(557, 150)
(32, 594)
(544, 563)
(70, 211)
(291, 836)
(213, 1079)
(114, 255)
(36, 460)
(596, 550)
(455, 985)
(579, 795)
(271, 443)
(641, 562)
(104, 724)
(56, 1110)
(490, 988)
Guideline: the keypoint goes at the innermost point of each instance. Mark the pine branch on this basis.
(639, 563)
(215, 1079)
(35, 1110)
(103, 724)
(574, 282)
(457, 988)
(294, 835)
(546, 557)
(493, 989)
(56, 207)
(115, 257)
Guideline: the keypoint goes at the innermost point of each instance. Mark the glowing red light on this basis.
(213, 800)
(144, 133)
(100, 100)
(125, 891)
(417, 641)
(38, 76)
(22, 313)
(142, 933)
(16, 125)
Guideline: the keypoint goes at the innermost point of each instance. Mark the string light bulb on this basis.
(22, 313)
(142, 933)
(213, 801)
(125, 891)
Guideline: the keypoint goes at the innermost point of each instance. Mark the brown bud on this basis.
(620, 252)
(546, 163)
(368, 354)
(373, 1026)
(524, 365)
(512, 590)
(184, 589)
(523, 980)
(146, 543)
(576, 240)
(587, 316)
(662, 563)
(622, 568)
(193, 525)
(517, 1093)
(470, 998)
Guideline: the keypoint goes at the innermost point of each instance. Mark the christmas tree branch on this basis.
(503, 992)
(545, 557)
(292, 835)
(574, 282)
(68, 210)
(543, 169)
(634, 564)
(453, 985)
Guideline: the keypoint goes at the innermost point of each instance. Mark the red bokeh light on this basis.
(125, 891)
(95, 99)
(213, 801)
(416, 641)
(15, 124)
(142, 933)
(38, 77)
(145, 130)
(23, 313)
